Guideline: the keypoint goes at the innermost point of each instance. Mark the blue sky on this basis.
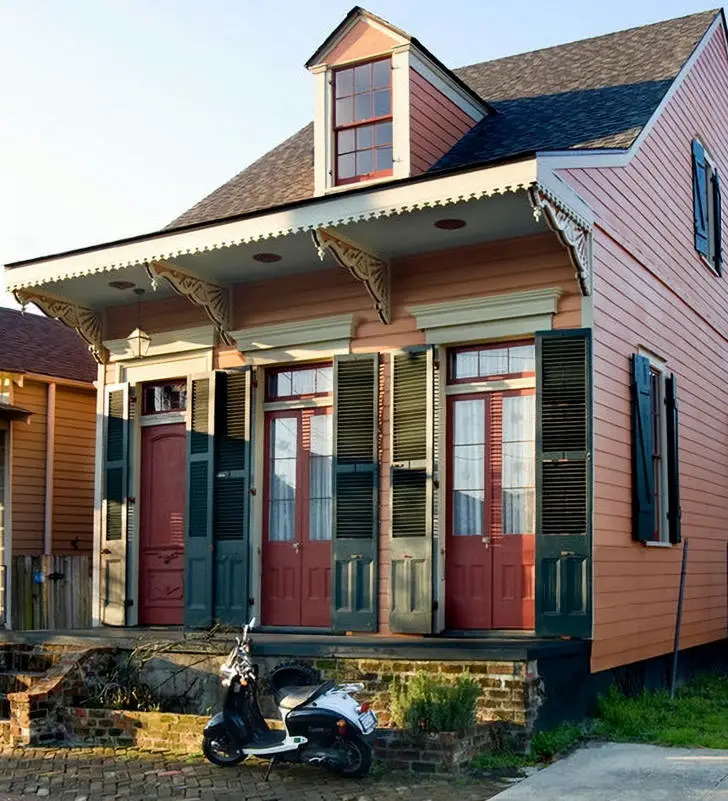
(117, 116)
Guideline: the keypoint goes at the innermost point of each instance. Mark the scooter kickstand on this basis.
(270, 768)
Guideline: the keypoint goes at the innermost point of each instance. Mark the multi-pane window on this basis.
(519, 464)
(707, 211)
(319, 487)
(474, 364)
(169, 396)
(299, 382)
(363, 121)
(468, 467)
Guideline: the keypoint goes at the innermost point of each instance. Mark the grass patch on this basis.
(696, 717)
(545, 746)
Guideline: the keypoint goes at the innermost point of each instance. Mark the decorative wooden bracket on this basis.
(214, 299)
(574, 234)
(372, 271)
(85, 322)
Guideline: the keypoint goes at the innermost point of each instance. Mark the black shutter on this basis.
(356, 493)
(231, 496)
(674, 512)
(412, 427)
(717, 225)
(643, 479)
(700, 199)
(563, 483)
(199, 541)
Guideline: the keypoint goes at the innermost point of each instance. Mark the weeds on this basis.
(426, 703)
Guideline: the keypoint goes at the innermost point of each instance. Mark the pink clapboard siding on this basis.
(436, 123)
(652, 290)
(364, 40)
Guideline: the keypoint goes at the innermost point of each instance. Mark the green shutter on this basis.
(643, 479)
(700, 199)
(717, 224)
(674, 512)
(356, 493)
(563, 483)
(231, 483)
(199, 541)
(412, 427)
(115, 506)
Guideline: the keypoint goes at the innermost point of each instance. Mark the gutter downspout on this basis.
(50, 457)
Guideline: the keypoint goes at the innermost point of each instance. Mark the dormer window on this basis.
(363, 121)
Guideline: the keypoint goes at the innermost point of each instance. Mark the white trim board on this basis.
(444, 84)
(165, 343)
(140, 370)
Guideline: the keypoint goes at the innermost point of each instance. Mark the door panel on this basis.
(162, 525)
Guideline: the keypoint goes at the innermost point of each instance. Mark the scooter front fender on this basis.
(216, 725)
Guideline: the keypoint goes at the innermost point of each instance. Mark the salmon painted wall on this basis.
(651, 289)
(362, 41)
(436, 123)
(165, 314)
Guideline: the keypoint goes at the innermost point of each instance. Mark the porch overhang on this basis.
(9, 412)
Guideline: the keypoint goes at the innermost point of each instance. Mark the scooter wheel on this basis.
(358, 755)
(220, 751)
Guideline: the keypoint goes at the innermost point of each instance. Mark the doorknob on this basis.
(296, 546)
(486, 542)
(106, 552)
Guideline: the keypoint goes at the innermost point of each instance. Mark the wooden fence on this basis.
(51, 592)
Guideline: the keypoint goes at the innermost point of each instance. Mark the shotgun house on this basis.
(417, 369)
(47, 438)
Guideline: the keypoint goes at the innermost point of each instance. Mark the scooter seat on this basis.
(293, 697)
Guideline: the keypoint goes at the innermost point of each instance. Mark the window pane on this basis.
(346, 166)
(345, 141)
(165, 398)
(363, 78)
(466, 365)
(519, 464)
(282, 489)
(344, 111)
(281, 521)
(468, 467)
(304, 382)
(365, 162)
(322, 434)
(382, 103)
(344, 83)
(364, 137)
(494, 362)
(284, 436)
(384, 158)
(522, 359)
(519, 511)
(319, 525)
(384, 133)
(363, 107)
(380, 73)
(324, 379)
(468, 511)
(469, 422)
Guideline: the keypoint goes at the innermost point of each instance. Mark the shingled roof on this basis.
(30, 343)
(594, 93)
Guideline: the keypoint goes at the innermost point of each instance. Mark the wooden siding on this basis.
(362, 41)
(436, 123)
(165, 314)
(28, 445)
(73, 471)
(653, 290)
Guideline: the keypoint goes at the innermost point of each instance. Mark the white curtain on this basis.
(468, 467)
(283, 455)
(320, 492)
(519, 464)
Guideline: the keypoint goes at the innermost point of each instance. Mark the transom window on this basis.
(363, 121)
(471, 364)
(299, 382)
(168, 396)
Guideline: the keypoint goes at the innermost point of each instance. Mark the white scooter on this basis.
(323, 724)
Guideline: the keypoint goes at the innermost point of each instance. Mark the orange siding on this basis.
(362, 41)
(166, 314)
(73, 471)
(653, 290)
(28, 443)
(436, 123)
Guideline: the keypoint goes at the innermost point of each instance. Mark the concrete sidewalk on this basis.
(624, 772)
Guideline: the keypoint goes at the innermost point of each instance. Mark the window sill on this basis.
(658, 544)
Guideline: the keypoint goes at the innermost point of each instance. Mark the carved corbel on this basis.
(574, 235)
(372, 271)
(85, 322)
(214, 299)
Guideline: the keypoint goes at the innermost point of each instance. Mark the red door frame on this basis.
(309, 602)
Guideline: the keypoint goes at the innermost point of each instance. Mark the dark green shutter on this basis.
(563, 483)
(674, 512)
(643, 478)
(700, 199)
(356, 493)
(718, 224)
(199, 540)
(231, 506)
(412, 427)
(115, 506)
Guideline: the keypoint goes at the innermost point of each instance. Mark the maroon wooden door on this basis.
(161, 525)
(491, 515)
(297, 525)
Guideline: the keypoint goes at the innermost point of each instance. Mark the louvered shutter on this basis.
(563, 483)
(199, 540)
(674, 511)
(700, 199)
(356, 493)
(412, 442)
(643, 479)
(231, 498)
(115, 505)
(718, 224)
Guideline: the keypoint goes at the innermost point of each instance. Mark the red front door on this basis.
(491, 511)
(162, 525)
(297, 526)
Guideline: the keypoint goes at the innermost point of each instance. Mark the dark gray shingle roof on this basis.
(593, 93)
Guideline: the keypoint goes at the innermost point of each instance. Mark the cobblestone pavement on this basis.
(102, 774)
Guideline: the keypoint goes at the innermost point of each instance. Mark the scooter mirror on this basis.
(251, 625)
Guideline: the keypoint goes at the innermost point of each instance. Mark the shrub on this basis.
(426, 703)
